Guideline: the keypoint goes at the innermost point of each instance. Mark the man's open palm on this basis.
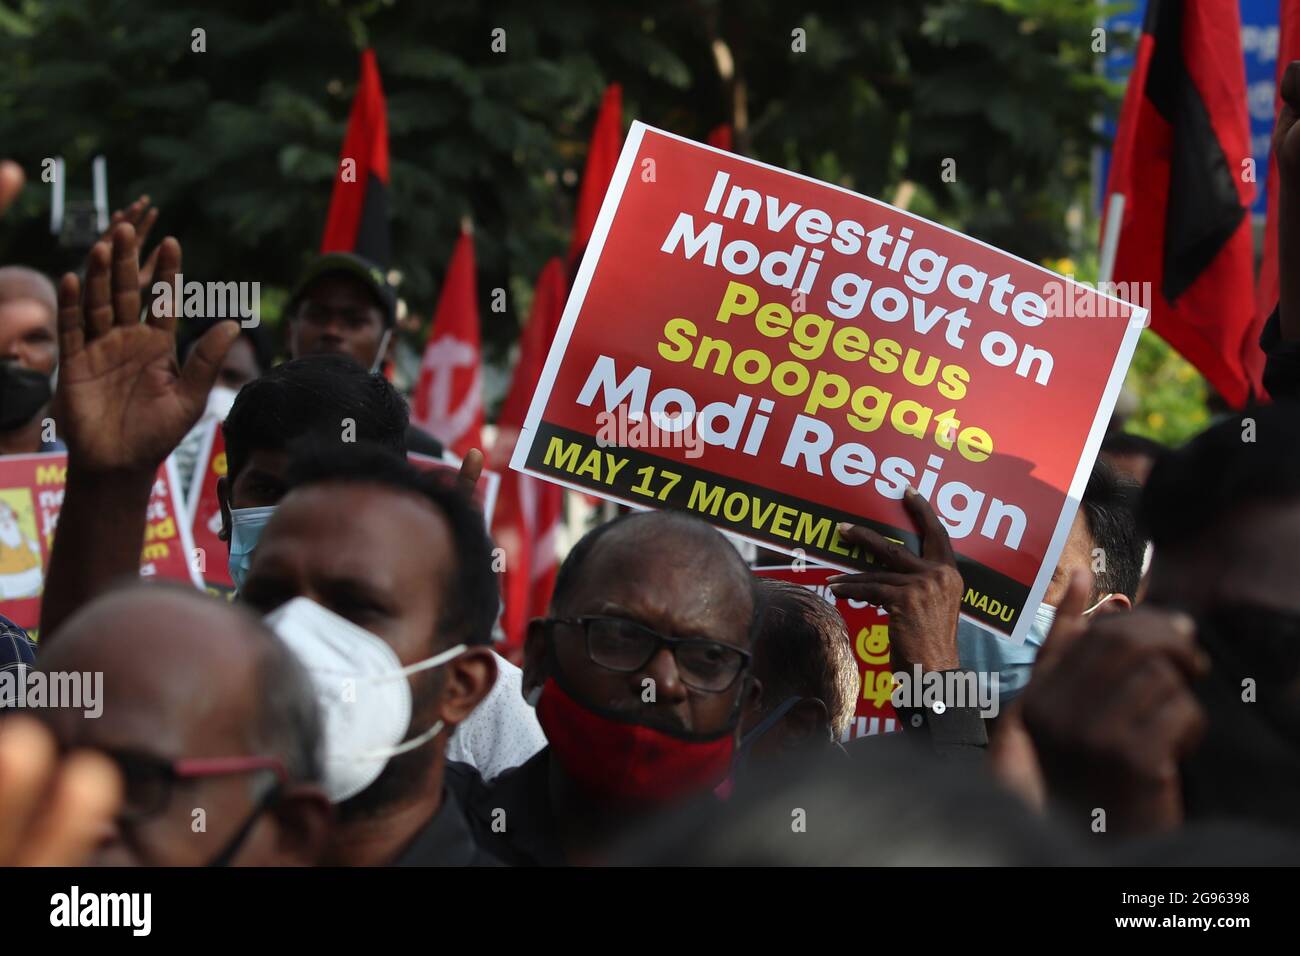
(123, 402)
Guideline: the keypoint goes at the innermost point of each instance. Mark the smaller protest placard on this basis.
(204, 511)
(31, 496)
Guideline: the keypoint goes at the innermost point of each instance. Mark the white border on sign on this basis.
(201, 464)
(577, 296)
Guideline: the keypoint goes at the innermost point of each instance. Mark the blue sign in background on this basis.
(1259, 40)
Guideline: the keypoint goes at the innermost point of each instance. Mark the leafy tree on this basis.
(239, 144)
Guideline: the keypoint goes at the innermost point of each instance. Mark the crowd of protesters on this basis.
(348, 706)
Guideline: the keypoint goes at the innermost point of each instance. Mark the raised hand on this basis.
(142, 215)
(123, 403)
(922, 595)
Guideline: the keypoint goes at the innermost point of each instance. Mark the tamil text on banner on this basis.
(779, 355)
(31, 495)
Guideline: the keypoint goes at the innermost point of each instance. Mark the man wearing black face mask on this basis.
(640, 676)
(29, 354)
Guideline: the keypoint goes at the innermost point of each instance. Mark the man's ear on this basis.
(467, 679)
(304, 821)
(535, 656)
(223, 497)
(806, 722)
(1114, 604)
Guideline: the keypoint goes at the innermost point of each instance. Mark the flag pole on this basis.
(1110, 241)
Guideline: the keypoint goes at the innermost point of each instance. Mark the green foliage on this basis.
(238, 145)
(1171, 393)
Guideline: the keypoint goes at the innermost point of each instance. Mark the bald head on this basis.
(694, 551)
(28, 320)
(187, 668)
(201, 707)
(20, 282)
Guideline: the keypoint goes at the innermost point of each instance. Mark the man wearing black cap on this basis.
(342, 304)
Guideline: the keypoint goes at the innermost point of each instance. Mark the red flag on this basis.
(528, 511)
(720, 136)
(358, 216)
(602, 157)
(448, 399)
(1178, 161)
(1266, 294)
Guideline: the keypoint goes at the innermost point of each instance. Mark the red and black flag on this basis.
(358, 216)
(1180, 162)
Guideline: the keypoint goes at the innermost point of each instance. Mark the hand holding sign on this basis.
(922, 595)
(122, 402)
(1111, 713)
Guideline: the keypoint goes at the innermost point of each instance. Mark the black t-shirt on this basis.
(448, 839)
(511, 815)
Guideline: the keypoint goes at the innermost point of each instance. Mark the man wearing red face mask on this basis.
(639, 676)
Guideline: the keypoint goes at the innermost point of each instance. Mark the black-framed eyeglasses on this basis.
(618, 644)
(148, 779)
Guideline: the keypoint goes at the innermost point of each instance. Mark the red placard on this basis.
(778, 355)
(31, 495)
(868, 627)
(204, 512)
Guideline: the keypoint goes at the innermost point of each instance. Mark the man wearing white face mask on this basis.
(381, 579)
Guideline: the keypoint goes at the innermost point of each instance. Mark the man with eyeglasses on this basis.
(640, 676)
(212, 723)
(343, 305)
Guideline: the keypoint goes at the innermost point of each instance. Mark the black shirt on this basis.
(448, 840)
(511, 816)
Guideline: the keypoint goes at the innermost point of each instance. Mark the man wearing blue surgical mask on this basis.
(321, 396)
(1104, 545)
(1104, 549)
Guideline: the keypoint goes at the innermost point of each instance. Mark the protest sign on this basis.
(868, 627)
(778, 355)
(204, 511)
(31, 495)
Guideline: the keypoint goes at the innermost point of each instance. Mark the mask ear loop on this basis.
(436, 661)
(385, 753)
(377, 364)
(1104, 598)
